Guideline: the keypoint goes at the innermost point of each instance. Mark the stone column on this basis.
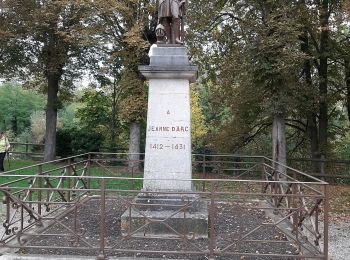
(168, 164)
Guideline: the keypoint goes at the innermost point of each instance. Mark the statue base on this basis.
(166, 215)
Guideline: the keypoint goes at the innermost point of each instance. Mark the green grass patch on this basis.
(17, 167)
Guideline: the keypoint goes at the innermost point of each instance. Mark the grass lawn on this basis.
(120, 184)
(16, 164)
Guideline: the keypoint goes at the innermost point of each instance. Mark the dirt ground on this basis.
(231, 221)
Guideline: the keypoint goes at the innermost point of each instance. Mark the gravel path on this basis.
(339, 240)
(339, 233)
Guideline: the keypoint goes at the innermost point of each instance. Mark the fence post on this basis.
(40, 196)
(132, 179)
(212, 222)
(27, 149)
(326, 221)
(263, 176)
(204, 166)
(322, 170)
(102, 255)
(69, 173)
(40, 185)
(89, 172)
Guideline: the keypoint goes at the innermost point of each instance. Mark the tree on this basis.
(96, 111)
(273, 68)
(16, 107)
(129, 27)
(49, 34)
(263, 37)
(198, 127)
(323, 72)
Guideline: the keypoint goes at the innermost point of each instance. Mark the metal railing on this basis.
(331, 170)
(27, 150)
(253, 210)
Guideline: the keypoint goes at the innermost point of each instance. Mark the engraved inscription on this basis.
(178, 129)
(168, 146)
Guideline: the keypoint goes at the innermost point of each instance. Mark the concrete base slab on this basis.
(155, 215)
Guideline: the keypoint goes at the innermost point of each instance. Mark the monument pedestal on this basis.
(168, 153)
(166, 215)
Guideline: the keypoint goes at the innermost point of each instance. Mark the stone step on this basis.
(167, 202)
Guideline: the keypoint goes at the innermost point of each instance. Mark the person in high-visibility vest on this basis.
(4, 147)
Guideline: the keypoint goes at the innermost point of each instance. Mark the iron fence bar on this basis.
(212, 222)
(184, 180)
(306, 199)
(204, 172)
(300, 244)
(178, 193)
(46, 163)
(102, 255)
(80, 177)
(325, 221)
(88, 165)
(297, 171)
(18, 180)
(59, 191)
(61, 214)
(40, 183)
(52, 171)
(150, 220)
(277, 256)
(106, 169)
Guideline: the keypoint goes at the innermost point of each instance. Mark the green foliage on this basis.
(77, 141)
(253, 56)
(64, 143)
(256, 53)
(129, 29)
(342, 150)
(68, 115)
(96, 110)
(54, 42)
(16, 106)
(84, 141)
(198, 127)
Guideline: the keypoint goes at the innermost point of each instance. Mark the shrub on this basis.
(77, 141)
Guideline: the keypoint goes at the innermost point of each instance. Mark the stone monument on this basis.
(167, 206)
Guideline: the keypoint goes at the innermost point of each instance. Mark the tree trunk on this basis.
(323, 77)
(114, 118)
(134, 147)
(312, 128)
(51, 118)
(279, 145)
(347, 80)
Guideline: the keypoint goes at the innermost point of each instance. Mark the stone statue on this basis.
(170, 16)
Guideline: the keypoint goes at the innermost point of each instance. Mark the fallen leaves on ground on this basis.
(339, 203)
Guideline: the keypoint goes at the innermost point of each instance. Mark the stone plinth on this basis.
(168, 162)
(166, 215)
